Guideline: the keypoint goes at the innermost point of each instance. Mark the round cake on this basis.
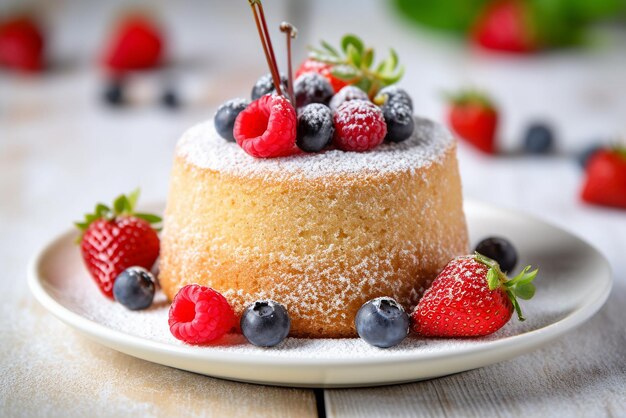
(319, 233)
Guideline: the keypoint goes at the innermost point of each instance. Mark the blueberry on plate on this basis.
(265, 85)
(539, 139)
(134, 288)
(265, 323)
(393, 94)
(315, 127)
(225, 116)
(500, 250)
(312, 88)
(399, 120)
(382, 322)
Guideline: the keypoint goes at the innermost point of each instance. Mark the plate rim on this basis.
(519, 343)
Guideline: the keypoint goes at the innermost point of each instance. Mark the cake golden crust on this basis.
(320, 241)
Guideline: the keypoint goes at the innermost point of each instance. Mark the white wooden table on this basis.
(61, 150)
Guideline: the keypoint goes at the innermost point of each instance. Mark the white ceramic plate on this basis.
(574, 282)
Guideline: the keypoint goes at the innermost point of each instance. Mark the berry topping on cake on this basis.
(115, 238)
(226, 115)
(605, 182)
(315, 127)
(393, 94)
(323, 69)
(353, 63)
(474, 118)
(134, 288)
(399, 120)
(265, 85)
(382, 322)
(345, 95)
(265, 323)
(267, 127)
(471, 297)
(359, 126)
(499, 250)
(312, 88)
(200, 315)
(136, 44)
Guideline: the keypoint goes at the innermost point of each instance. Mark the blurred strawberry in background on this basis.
(137, 43)
(474, 118)
(519, 26)
(605, 182)
(21, 44)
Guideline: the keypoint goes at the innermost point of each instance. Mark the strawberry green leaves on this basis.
(520, 286)
(123, 205)
(354, 64)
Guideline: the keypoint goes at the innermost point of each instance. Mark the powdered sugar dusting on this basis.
(203, 147)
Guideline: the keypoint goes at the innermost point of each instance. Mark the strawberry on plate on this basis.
(115, 238)
(471, 297)
(605, 182)
(506, 25)
(474, 118)
(21, 44)
(136, 44)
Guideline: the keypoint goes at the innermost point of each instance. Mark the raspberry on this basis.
(267, 127)
(199, 315)
(345, 95)
(359, 126)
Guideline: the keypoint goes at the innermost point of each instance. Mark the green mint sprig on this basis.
(354, 64)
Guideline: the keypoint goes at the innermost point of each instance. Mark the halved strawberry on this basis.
(311, 66)
(605, 183)
(474, 118)
(115, 238)
(471, 297)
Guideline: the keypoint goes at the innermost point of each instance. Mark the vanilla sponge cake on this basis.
(319, 233)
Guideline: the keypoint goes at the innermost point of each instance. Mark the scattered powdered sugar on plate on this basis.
(203, 147)
(75, 290)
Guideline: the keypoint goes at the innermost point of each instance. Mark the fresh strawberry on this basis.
(116, 238)
(605, 183)
(474, 118)
(137, 44)
(471, 297)
(21, 44)
(321, 68)
(506, 25)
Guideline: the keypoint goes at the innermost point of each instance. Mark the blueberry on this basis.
(225, 116)
(265, 85)
(394, 94)
(399, 120)
(114, 93)
(382, 322)
(539, 139)
(265, 323)
(170, 98)
(312, 88)
(315, 127)
(346, 94)
(587, 153)
(134, 288)
(500, 250)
